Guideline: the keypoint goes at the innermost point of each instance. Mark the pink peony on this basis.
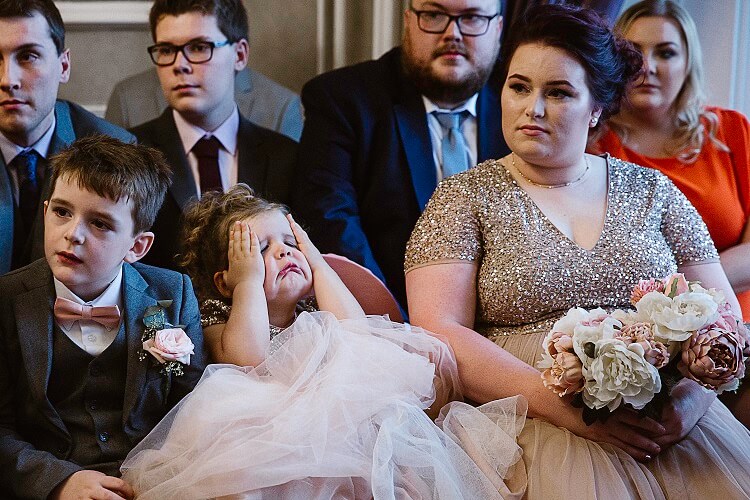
(559, 342)
(713, 357)
(675, 284)
(170, 344)
(655, 352)
(565, 376)
(645, 286)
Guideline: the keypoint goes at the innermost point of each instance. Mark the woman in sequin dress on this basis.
(317, 404)
(506, 248)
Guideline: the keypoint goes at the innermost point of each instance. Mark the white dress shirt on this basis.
(226, 134)
(468, 128)
(87, 334)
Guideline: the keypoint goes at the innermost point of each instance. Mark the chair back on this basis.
(370, 292)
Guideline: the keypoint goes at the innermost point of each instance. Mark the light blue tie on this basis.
(455, 149)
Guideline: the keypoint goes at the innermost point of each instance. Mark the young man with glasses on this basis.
(380, 135)
(199, 46)
(34, 124)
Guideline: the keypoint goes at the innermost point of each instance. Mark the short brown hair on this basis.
(115, 170)
(231, 16)
(206, 233)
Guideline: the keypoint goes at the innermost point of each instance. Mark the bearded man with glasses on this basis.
(199, 46)
(380, 135)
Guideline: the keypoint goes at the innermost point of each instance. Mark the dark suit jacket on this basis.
(139, 98)
(265, 162)
(72, 122)
(34, 442)
(366, 168)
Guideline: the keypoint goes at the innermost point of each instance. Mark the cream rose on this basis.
(170, 344)
(620, 373)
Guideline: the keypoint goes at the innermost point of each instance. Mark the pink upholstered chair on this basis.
(369, 291)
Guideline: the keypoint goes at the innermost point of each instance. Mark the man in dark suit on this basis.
(80, 380)
(33, 124)
(375, 142)
(199, 46)
(138, 99)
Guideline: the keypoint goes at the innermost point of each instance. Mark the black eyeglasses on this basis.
(195, 51)
(432, 21)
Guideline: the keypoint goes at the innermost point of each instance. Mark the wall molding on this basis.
(105, 13)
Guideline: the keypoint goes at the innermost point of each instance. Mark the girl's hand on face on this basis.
(306, 246)
(245, 260)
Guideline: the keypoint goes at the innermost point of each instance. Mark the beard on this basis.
(440, 89)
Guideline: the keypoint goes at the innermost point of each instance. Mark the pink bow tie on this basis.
(67, 311)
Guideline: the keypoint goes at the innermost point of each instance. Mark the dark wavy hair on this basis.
(231, 16)
(610, 61)
(116, 170)
(46, 8)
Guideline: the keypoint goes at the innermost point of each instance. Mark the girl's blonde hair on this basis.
(205, 233)
(692, 121)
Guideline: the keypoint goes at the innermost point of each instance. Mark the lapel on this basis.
(135, 300)
(7, 216)
(411, 120)
(34, 309)
(252, 163)
(63, 137)
(167, 139)
(490, 141)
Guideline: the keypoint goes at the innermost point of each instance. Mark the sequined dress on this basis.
(336, 410)
(529, 274)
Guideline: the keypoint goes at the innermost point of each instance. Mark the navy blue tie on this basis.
(28, 185)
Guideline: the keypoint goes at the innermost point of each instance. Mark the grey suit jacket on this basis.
(34, 442)
(72, 122)
(139, 98)
(265, 162)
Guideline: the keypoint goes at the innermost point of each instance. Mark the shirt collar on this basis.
(226, 133)
(112, 295)
(10, 149)
(469, 105)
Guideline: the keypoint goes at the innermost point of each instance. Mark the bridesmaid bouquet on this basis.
(678, 329)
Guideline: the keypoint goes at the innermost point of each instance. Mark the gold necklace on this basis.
(552, 186)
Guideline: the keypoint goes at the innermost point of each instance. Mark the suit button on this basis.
(62, 449)
(92, 405)
(104, 437)
(94, 371)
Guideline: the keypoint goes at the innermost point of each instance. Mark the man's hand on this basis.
(92, 485)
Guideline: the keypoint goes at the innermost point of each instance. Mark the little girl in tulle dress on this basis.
(315, 400)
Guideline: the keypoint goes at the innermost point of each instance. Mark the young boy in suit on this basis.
(199, 46)
(79, 386)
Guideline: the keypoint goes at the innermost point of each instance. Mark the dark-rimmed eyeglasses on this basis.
(195, 51)
(432, 21)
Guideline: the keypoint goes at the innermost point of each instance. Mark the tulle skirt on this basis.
(337, 410)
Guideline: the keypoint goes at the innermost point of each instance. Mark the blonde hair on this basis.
(693, 123)
(205, 233)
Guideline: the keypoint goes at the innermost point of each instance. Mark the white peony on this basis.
(597, 326)
(716, 295)
(620, 373)
(676, 319)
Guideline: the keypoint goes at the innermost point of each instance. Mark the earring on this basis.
(593, 121)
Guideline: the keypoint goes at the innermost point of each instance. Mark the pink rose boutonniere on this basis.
(168, 344)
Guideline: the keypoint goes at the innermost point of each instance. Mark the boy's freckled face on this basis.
(86, 237)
